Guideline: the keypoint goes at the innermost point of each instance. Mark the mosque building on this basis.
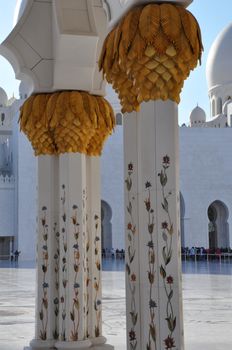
(17, 182)
(7, 171)
(205, 169)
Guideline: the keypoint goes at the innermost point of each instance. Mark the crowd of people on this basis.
(193, 253)
(113, 253)
(201, 253)
(14, 255)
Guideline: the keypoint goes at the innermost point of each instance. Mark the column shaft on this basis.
(94, 254)
(73, 308)
(69, 305)
(47, 297)
(154, 305)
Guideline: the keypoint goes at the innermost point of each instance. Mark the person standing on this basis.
(11, 256)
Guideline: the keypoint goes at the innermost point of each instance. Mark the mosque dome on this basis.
(197, 116)
(219, 62)
(3, 98)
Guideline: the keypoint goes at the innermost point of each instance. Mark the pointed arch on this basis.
(106, 225)
(213, 107)
(219, 105)
(218, 215)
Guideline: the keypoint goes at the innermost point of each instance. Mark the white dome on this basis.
(3, 98)
(219, 62)
(197, 116)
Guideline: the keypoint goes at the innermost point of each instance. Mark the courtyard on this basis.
(207, 296)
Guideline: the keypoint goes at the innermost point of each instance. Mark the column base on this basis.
(77, 345)
(93, 347)
(41, 345)
(30, 348)
(102, 347)
(93, 344)
(100, 344)
(44, 348)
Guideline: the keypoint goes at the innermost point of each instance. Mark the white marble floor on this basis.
(207, 309)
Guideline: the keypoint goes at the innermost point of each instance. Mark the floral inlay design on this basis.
(97, 278)
(87, 282)
(63, 263)
(151, 268)
(131, 251)
(75, 312)
(86, 266)
(43, 313)
(167, 236)
(56, 270)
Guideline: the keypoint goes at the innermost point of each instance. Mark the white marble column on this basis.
(69, 295)
(94, 261)
(72, 272)
(47, 298)
(153, 280)
(80, 305)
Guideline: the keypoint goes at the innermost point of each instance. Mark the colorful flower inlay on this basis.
(64, 280)
(97, 278)
(167, 237)
(86, 266)
(56, 270)
(43, 313)
(151, 269)
(131, 251)
(75, 312)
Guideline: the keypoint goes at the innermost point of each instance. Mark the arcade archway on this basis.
(182, 218)
(106, 226)
(218, 228)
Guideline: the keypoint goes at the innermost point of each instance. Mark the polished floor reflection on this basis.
(207, 290)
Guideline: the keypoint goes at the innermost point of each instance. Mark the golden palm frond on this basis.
(152, 50)
(67, 121)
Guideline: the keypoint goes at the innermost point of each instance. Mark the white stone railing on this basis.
(6, 181)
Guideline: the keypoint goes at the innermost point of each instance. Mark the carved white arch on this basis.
(56, 45)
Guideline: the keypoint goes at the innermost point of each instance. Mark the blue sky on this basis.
(212, 15)
(7, 77)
